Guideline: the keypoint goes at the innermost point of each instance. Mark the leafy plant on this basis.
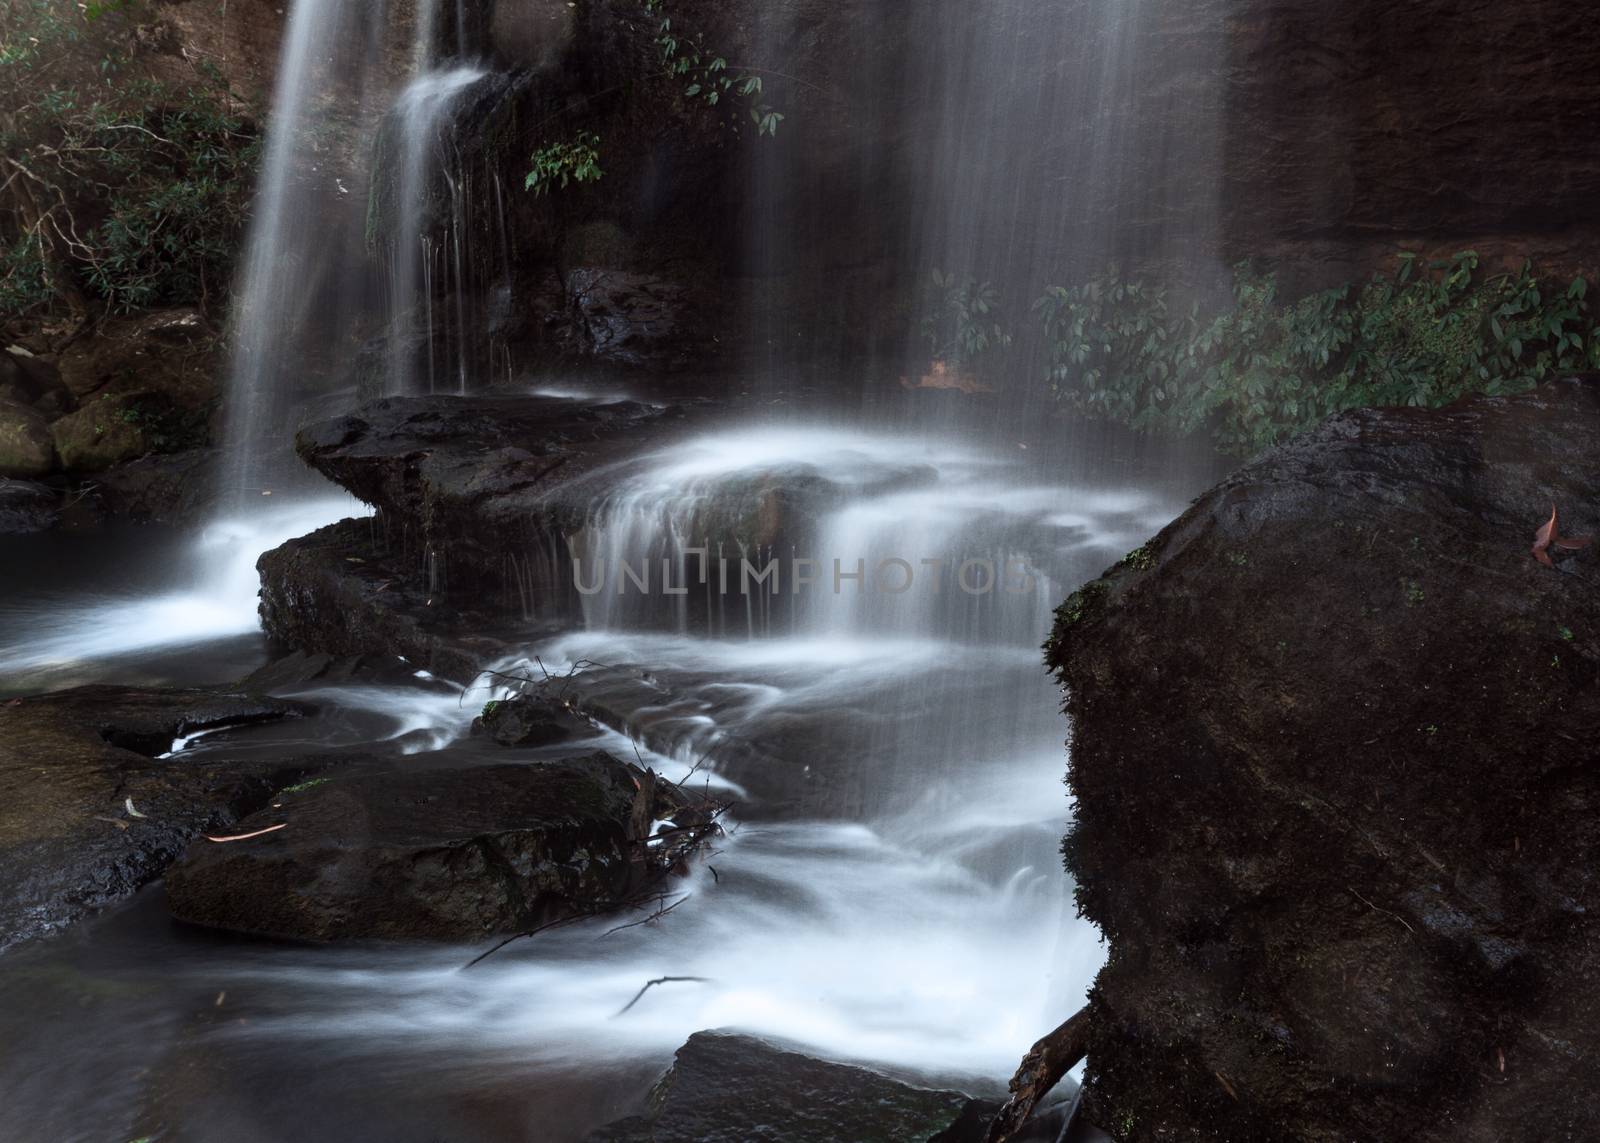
(1263, 369)
(707, 79)
(561, 163)
(115, 189)
(961, 320)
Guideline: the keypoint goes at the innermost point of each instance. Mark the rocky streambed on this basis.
(456, 745)
(1329, 738)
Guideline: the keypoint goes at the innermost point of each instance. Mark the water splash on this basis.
(211, 595)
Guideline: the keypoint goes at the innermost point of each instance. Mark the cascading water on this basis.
(415, 253)
(891, 888)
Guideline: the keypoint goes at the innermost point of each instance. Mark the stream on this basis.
(888, 889)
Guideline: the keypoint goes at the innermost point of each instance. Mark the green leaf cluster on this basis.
(1262, 369)
(961, 320)
(706, 75)
(557, 164)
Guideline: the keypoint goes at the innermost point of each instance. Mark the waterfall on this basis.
(302, 299)
(1054, 146)
(277, 293)
(414, 252)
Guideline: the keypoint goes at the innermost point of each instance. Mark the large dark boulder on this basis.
(73, 761)
(728, 1088)
(438, 854)
(174, 489)
(1334, 756)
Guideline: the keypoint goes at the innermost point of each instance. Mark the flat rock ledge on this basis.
(1338, 786)
(72, 762)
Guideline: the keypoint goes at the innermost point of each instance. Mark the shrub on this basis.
(961, 320)
(1263, 369)
(115, 188)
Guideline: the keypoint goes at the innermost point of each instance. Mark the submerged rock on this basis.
(440, 854)
(73, 761)
(1333, 754)
(728, 1088)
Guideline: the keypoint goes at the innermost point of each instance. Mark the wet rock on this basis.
(633, 319)
(301, 669)
(175, 489)
(339, 592)
(468, 486)
(443, 854)
(26, 448)
(69, 764)
(729, 1088)
(530, 720)
(26, 506)
(1333, 745)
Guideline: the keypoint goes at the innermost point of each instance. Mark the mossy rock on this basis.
(124, 427)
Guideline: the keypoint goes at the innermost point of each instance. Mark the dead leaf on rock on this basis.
(1549, 536)
(941, 376)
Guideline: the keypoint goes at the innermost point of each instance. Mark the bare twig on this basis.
(656, 916)
(638, 996)
(248, 836)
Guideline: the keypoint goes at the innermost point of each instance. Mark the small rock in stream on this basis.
(437, 854)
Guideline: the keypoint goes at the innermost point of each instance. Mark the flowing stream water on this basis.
(889, 889)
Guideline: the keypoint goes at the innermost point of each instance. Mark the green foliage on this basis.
(1264, 369)
(561, 163)
(707, 79)
(1140, 559)
(114, 188)
(961, 320)
(706, 75)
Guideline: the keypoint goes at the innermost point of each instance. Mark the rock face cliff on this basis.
(1333, 751)
(1448, 124)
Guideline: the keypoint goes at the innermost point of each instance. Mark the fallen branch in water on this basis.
(656, 916)
(1041, 1069)
(649, 984)
(556, 924)
(248, 836)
